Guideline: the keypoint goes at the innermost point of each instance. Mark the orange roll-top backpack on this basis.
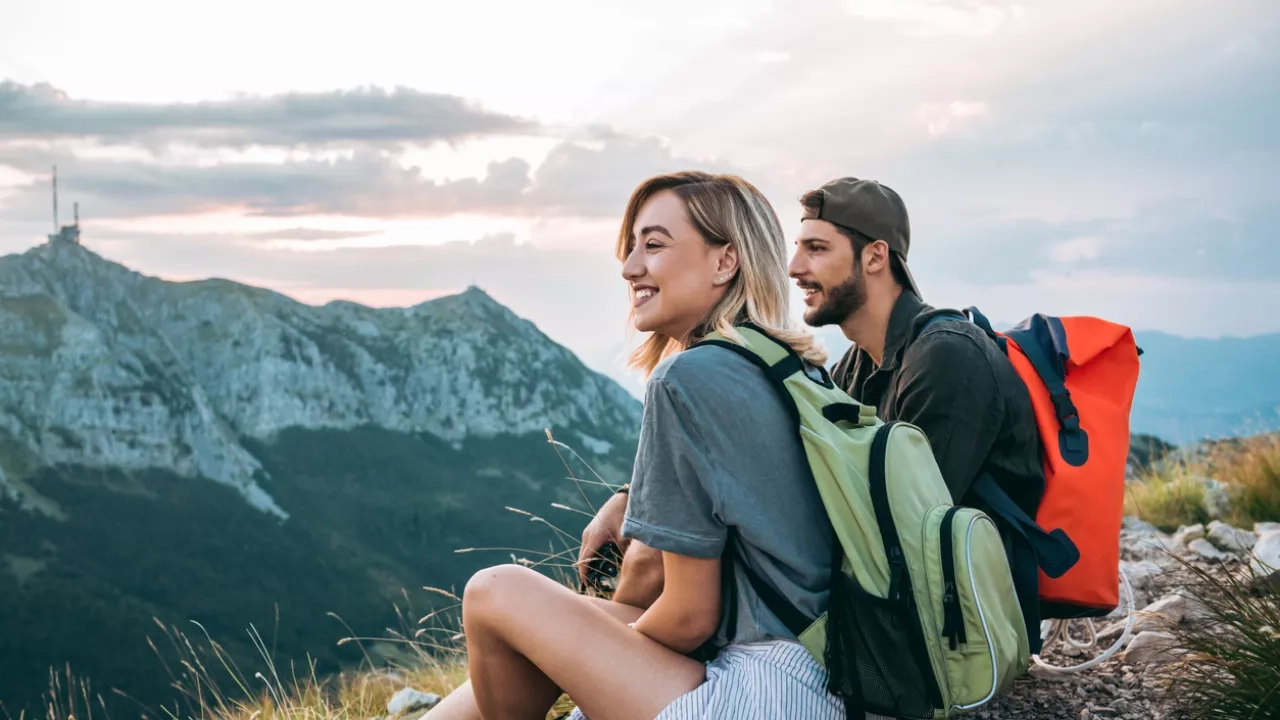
(1081, 373)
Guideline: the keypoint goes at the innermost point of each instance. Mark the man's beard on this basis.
(840, 302)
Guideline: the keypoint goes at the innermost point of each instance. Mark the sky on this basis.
(1111, 159)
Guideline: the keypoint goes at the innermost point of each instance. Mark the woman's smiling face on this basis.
(674, 273)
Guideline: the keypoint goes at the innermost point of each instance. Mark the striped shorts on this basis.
(758, 681)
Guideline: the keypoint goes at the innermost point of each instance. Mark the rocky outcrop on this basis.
(105, 367)
(1133, 683)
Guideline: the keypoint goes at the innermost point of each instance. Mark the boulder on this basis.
(1206, 550)
(408, 700)
(1136, 526)
(1170, 609)
(1151, 647)
(1187, 533)
(1157, 547)
(1263, 528)
(1140, 573)
(1266, 555)
(1231, 539)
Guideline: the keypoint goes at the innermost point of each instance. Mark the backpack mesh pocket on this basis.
(876, 656)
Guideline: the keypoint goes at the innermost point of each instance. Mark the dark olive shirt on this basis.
(957, 385)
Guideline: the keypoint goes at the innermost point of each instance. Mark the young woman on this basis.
(717, 449)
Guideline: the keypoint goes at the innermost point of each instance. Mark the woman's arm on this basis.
(640, 580)
(688, 610)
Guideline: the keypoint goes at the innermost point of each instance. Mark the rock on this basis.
(1206, 550)
(1140, 573)
(1157, 547)
(1187, 533)
(1266, 555)
(1230, 539)
(1151, 648)
(1217, 502)
(1134, 525)
(408, 700)
(1170, 609)
(1140, 600)
(1175, 608)
(1263, 528)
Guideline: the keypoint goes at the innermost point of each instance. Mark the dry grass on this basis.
(1249, 469)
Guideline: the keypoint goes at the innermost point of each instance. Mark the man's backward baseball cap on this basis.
(872, 209)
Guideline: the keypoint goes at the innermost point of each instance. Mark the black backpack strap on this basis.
(794, 620)
(1030, 548)
(1044, 341)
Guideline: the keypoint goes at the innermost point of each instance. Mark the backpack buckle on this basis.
(1066, 410)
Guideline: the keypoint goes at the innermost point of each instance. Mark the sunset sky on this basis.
(1088, 157)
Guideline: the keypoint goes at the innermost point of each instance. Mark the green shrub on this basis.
(1174, 496)
(1167, 501)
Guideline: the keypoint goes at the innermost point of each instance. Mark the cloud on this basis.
(941, 118)
(1088, 247)
(588, 178)
(930, 18)
(594, 179)
(1179, 240)
(368, 115)
(305, 233)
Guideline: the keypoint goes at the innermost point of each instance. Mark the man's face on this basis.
(824, 267)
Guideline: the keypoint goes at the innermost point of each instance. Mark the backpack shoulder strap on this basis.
(1030, 549)
(1043, 341)
(778, 362)
(791, 617)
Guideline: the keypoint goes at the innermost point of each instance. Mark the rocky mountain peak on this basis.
(104, 366)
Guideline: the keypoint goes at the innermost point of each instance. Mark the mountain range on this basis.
(209, 452)
(1189, 389)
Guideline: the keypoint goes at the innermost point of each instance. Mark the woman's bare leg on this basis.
(461, 703)
(528, 637)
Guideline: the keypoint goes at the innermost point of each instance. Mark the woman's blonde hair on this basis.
(727, 210)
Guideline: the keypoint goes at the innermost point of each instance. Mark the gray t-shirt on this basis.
(718, 448)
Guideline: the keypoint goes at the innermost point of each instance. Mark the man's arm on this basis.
(948, 389)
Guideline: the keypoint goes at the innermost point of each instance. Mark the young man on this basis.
(948, 379)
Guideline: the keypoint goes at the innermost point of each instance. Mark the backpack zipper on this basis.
(953, 616)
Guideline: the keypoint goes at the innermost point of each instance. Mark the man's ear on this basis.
(875, 257)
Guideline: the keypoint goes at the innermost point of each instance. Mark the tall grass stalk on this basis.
(1231, 669)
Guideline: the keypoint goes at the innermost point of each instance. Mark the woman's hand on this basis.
(605, 527)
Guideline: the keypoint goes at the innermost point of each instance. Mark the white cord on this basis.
(1051, 629)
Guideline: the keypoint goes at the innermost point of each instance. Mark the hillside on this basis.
(218, 453)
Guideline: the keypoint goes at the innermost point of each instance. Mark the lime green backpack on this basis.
(923, 620)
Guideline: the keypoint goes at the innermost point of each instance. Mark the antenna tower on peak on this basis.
(63, 233)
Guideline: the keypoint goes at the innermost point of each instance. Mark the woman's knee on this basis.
(494, 588)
